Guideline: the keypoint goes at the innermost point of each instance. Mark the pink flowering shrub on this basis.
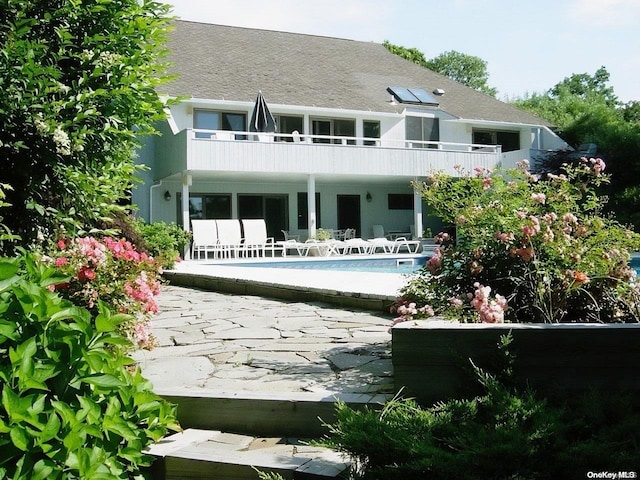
(112, 272)
(526, 250)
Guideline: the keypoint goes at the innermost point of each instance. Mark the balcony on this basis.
(248, 152)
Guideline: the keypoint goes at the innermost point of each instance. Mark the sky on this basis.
(529, 46)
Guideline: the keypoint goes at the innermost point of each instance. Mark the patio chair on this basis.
(289, 236)
(229, 237)
(205, 238)
(378, 231)
(255, 240)
(349, 233)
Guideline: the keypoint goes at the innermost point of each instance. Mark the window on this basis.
(303, 211)
(214, 120)
(206, 206)
(400, 201)
(288, 125)
(337, 127)
(423, 129)
(371, 129)
(509, 140)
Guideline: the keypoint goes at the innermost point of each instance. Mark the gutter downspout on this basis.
(155, 185)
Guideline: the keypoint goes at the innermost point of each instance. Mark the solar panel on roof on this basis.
(415, 96)
(423, 96)
(403, 94)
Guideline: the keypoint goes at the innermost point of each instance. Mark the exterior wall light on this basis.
(167, 196)
(369, 197)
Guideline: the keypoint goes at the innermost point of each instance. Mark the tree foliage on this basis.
(466, 69)
(585, 109)
(77, 81)
(72, 403)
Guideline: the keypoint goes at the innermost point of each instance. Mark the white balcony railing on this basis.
(227, 135)
(242, 152)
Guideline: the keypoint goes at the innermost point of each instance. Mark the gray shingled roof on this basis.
(233, 63)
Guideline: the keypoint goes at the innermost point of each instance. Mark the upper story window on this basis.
(370, 129)
(509, 140)
(423, 129)
(288, 124)
(216, 120)
(333, 127)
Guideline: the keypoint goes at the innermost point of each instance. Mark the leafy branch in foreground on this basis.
(73, 405)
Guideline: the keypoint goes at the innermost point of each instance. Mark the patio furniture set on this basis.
(232, 238)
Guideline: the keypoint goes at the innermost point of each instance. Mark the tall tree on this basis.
(585, 109)
(78, 90)
(466, 69)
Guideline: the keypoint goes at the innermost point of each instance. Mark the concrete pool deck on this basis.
(368, 290)
(235, 329)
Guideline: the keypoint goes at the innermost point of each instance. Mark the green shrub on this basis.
(163, 241)
(504, 433)
(113, 272)
(526, 250)
(73, 405)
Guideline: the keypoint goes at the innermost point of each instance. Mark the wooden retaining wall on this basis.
(431, 359)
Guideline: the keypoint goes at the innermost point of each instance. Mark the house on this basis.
(355, 125)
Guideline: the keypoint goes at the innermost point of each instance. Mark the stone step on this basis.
(291, 414)
(207, 454)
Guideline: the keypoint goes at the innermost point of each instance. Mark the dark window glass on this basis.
(344, 128)
(250, 206)
(370, 129)
(205, 206)
(337, 127)
(509, 141)
(218, 206)
(303, 211)
(423, 129)
(289, 125)
(214, 120)
(400, 201)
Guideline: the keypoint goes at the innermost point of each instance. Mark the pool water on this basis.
(371, 265)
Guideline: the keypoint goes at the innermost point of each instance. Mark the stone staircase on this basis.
(229, 436)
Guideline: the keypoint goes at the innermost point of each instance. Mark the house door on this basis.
(349, 212)
(273, 208)
(276, 214)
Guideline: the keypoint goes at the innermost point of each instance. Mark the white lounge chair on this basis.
(204, 238)
(255, 240)
(356, 245)
(229, 237)
(412, 246)
(387, 246)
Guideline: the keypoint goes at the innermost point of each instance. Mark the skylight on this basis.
(416, 96)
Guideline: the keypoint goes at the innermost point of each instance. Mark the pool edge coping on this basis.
(290, 292)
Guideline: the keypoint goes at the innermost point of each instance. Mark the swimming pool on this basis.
(402, 265)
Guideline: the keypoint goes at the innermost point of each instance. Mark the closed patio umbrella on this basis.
(261, 118)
